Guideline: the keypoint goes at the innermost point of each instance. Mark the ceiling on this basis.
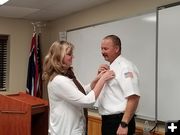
(45, 10)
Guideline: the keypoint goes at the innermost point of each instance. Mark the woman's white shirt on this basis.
(66, 106)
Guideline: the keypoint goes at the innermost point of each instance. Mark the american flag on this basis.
(128, 75)
(34, 81)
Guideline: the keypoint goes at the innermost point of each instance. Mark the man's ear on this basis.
(117, 49)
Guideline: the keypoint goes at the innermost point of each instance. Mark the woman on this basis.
(66, 97)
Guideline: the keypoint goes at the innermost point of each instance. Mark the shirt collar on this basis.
(117, 60)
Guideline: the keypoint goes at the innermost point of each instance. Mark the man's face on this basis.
(109, 50)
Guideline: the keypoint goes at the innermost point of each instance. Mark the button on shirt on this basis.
(113, 98)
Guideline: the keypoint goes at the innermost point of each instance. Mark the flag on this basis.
(128, 75)
(39, 86)
(33, 86)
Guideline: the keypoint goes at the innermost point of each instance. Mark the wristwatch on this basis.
(123, 124)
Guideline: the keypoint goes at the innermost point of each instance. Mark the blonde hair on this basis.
(53, 62)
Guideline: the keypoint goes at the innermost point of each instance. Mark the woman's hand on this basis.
(103, 67)
(99, 75)
(107, 75)
(93, 83)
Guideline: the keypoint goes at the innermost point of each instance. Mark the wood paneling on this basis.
(94, 127)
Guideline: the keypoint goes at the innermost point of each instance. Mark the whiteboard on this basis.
(169, 63)
(138, 38)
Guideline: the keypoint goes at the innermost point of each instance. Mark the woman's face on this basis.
(67, 60)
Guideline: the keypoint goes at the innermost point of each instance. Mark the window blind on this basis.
(3, 61)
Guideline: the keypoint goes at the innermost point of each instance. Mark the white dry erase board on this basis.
(168, 62)
(138, 37)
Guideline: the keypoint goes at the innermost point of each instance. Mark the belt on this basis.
(112, 116)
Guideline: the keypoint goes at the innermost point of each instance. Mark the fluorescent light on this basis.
(3, 1)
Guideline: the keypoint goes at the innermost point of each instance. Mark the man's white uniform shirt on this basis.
(113, 97)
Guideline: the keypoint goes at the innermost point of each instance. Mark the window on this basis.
(3, 62)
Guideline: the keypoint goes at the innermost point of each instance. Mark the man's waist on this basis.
(112, 116)
(110, 111)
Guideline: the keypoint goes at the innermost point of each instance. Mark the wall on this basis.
(20, 34)
(113, 10)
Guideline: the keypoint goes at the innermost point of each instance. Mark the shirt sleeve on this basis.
(87, 88)
(66, 89)
(129, 81)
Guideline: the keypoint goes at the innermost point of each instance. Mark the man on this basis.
(118, 101)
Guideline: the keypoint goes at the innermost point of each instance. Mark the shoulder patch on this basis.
(128, 75)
